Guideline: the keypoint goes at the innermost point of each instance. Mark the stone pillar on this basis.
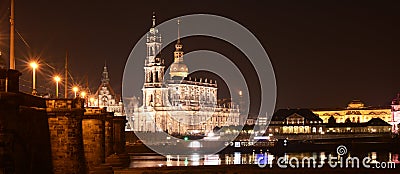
(65, 125)
(109, 138)
(93, 137)
(24, 136)
(119, 134)
(120, 158)
(9, 80)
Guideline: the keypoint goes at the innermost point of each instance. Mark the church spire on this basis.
(178, 68)
(179, 37)
(178, 45)
(105, 79)
(154, 19)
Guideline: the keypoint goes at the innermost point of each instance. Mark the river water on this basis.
(155, 160)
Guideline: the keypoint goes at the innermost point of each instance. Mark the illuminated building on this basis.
(295, 121)
(106, 97)
(179, 104)
(396, 114)
(355, 112)
(304, 121)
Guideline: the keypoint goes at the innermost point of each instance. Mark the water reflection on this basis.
(155, 160)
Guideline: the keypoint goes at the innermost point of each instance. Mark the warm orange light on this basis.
(57, 78)
(75, 89)
(33, 65)
(83, 94)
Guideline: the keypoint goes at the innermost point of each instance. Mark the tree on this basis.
(331, 120)
(347, 120)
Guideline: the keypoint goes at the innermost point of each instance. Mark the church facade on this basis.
(178, 104)
(106, 97)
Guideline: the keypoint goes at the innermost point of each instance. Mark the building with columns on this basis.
(355, 112)
(178, 104)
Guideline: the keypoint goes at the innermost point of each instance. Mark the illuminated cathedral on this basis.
(178, 104)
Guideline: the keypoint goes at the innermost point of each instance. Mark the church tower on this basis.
(178, 69)
(153, 68)
(104, 78)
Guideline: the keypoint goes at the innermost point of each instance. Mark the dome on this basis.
(178, 69)
(355, 104)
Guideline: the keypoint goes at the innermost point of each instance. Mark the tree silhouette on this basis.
(331, 120)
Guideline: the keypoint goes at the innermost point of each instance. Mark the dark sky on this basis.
(324, 53)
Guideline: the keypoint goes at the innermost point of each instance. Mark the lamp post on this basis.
(83, 95)
(34, 65)
(75, 89)
(57, 79)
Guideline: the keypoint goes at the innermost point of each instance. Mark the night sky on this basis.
(324, 53)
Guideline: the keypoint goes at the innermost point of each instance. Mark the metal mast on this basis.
(12, 58)
(66, 76)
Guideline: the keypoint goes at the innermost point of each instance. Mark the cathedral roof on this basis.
(178, 68)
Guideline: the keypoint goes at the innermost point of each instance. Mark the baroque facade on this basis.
(178, 104)
(105, 97)
(355, 112)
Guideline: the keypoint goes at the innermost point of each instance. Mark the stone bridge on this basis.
(39, 135)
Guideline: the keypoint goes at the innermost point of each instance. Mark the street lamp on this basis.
(34, 65)
(92, 101)
(75, 89)
(83, 93)
(57, 79)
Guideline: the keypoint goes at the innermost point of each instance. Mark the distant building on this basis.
(355, 112)
(304, 121)
(106, 97)
(395, 122)
(131, 104)
(180, 104)
(295, 121)
(375, 125)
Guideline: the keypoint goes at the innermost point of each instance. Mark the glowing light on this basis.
(57, 78)
(75, 89)
(83, 94)
(33, 65)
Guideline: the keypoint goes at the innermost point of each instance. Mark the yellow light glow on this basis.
(83, 94)
(33, 65)
(57, 78)
(75, 89)
(92, 99)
